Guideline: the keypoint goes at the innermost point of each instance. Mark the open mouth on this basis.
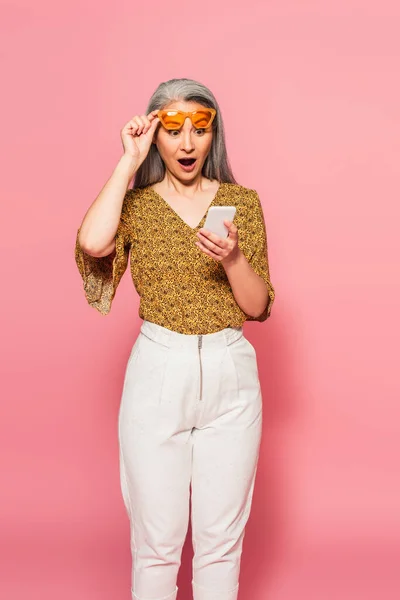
(187, 162)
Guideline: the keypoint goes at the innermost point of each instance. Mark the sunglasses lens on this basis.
(172, 119)
(202, 118)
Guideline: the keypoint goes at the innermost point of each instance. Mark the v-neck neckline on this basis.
(199, 225)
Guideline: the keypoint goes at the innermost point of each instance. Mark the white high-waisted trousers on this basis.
(189, 422)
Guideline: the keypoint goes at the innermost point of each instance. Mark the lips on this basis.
(187, 161)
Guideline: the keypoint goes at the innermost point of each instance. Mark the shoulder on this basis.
(244, 198)
(137, 196)
(245, 194)
(132, 196)
(249, 210)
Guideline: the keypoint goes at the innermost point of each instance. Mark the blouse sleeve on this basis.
(101, 275)
(258, 252)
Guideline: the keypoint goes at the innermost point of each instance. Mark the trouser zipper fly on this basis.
(200, 340)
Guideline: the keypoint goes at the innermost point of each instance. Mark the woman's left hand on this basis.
(223, 250)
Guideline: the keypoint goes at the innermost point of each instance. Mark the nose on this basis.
(186, 137)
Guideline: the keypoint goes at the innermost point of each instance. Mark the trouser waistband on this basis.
(169, 338)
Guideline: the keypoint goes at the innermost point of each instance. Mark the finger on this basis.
(147, 123)
(207, 251)
(231, 227)
(154, 123)
(232, 231)
(134, 125)
(129, 124)
(152, 116)
(213, 237)
(229, 224)
(131, 127)
(214, 246)
(141, 125)
(136, 119)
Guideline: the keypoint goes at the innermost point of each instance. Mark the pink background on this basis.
(310, 97)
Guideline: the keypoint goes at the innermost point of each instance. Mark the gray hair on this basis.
(216, 165)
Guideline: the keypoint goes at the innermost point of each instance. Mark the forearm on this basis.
(101, 221)
(249, 289)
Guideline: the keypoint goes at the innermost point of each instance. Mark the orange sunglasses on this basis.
(174, 119)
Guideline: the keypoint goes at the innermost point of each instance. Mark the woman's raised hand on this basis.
(137, 135)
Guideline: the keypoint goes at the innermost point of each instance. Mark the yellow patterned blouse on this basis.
(180, 287)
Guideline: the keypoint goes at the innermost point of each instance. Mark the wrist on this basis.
(232, 262)
(128, 164)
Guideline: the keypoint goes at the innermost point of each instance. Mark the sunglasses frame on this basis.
(186, 114)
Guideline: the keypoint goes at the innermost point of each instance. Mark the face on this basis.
(185, 143)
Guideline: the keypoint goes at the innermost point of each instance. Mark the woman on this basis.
(191, 409)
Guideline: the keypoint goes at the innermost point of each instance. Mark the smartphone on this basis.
(216, 216)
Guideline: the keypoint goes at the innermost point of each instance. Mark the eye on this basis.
(172, 132)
